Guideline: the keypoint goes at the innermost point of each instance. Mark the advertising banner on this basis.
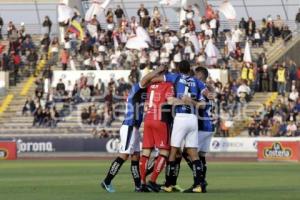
(278, 151)
(233, 145)
(8, 150)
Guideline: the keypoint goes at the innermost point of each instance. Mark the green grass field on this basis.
(79, 180)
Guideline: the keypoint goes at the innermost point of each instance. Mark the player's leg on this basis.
(135, 159)
(148, 145)
(113, 171)
(135, 171)
(162, 142)
(159, 165)
(191, 145)
(204, 143)
(177, 136)
(188, 160)
(178, 159)
(126, 140)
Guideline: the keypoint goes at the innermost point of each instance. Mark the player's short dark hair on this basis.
(184, 67)
(202, 70)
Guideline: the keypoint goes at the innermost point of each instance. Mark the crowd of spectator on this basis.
(106, 50)
(278, 119)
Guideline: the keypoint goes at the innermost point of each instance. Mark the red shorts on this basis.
(156, 134)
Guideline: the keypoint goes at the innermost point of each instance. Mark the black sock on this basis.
(113, 170)
(177, 170)
(204, 167)
(197, 170)
(135, 171)
(188, 160)
(170, 173)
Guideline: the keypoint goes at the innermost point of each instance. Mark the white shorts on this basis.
(129, 140)
(204, 139)
(185, 129)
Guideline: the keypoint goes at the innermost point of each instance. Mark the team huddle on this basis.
(176, 109)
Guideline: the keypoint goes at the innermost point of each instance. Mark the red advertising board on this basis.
(278, 151)
(8, 150)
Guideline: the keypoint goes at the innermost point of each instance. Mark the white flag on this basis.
(143, 34)
(96, 9)
(92, 30)
(173, 3)
(212, 53)
(247, 53)
(65, 13)
(193, 38)
(136, 43)
(228, 10)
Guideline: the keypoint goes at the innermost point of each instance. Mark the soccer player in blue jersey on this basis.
(129, 133)
(185, 126)
(205, 125)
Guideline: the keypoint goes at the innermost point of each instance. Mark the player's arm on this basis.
(167, 77)
(198, 104)
(150, 76)
(158, 79)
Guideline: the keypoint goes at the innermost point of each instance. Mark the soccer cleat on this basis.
(145, 188)
(167, 189)
(203, 187)
(193, 189)
(177, 188)
(153, 186)
(138, 189)
(109, 188)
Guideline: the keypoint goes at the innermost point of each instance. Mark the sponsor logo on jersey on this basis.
(277, 151)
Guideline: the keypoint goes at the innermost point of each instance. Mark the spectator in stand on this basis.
(281, 80)
(85, 94)
(64, 59)
(298, 20)
(45, 43)
(242, 24)
(1, 27)
(250, 28)
(243, 92)
(119, 15)
(291, 129)
(47, 24)
(29, 106)
(32, 59)
(143, 14)
(286, 34)
(61, 88)
(85, 116)
(38, 117)
(298, 77)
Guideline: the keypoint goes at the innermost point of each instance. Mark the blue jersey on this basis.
(135, 106)
(205, 119)
(185, 85)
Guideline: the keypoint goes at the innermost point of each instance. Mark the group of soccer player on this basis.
(176, 110)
